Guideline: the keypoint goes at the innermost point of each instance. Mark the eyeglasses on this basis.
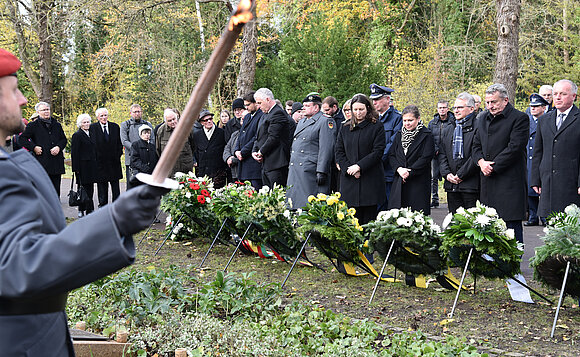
(204, 120)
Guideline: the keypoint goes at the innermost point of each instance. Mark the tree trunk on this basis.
(566, 53)
(42, 10)
(248, 57)
(508, 27)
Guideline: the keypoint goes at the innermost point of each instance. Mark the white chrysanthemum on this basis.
(299, 211)
(401, 221)
(461, 211)
(448, 219)
(473, 210)
(188, 195)
(180, 225)
(510, 233)
(419, 219)
(521, 246)
(287, 213)
(179, 174)
(482, 220)
(408, 222)
(395, 213)
(207, 200)
(435, 228)
(490, 211)
(572, 210)
(264, 190)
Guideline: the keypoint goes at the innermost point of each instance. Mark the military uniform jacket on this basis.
(503, 139)
(556, 162)
(46, 136)
(248, 168)
(273, 139)
(364, 146)
(416, 191)
(392, 124)
(530, 151)
(43, 258)
(465, 168)
(84, 157)
(312, 152)
(109, 152)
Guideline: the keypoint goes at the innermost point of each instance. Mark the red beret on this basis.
(9, 64)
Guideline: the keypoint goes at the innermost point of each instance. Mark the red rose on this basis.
(200, 199)
(190, 179)
(194, 186)
(205, 192)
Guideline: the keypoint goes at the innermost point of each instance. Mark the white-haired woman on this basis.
(84, 161)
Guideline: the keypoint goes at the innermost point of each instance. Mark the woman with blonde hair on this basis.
(84, 161)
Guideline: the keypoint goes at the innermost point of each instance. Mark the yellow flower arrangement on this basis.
(340, 215)
(311, 198)
(321, 197)
(331, 200)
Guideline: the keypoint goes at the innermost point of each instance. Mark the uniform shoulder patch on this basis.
(330, 124)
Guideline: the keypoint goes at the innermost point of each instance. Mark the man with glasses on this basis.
(209, 148)
(440, 122)
(46, 140)
(460, 173)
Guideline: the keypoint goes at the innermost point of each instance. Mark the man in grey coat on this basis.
(556, 159)
(130, 134)
(312, 154)
(43, 258)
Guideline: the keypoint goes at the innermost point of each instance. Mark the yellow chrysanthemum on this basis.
(331, 200)
(337, 194)
(340, 215)
(321, 196)
(366, 245)
(351, 211)
(311, 198)
(341, 204)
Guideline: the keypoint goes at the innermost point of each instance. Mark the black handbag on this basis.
(74, 198)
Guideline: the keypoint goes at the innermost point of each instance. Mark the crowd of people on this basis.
(376, 156)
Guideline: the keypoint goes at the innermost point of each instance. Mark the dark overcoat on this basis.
(503, 139)
(109, 152)
(46, 136)
(465, 168)
(392, 124)
(273, 139)
(364, 146)
(143, 157)
(248, 168)
(556, 162)
(530, 152)
(208, 153)
(415, 192)
(43, 258)
(83, 155)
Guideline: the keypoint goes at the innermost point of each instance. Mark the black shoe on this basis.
(434, 204)
(531, 223)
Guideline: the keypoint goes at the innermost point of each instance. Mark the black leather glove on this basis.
(321, 178)
(135, 209)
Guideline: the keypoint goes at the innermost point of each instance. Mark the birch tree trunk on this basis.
(508, 26)
(42, 11)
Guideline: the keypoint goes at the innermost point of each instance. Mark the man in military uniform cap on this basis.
(312, 153)
(392, 122)
(43, 258)
(537, 107)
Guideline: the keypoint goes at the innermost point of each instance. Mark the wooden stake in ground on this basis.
(200, 93)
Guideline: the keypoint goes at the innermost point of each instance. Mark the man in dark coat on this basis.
(457, 167)
(209, 148)
(45, 139)
(184, 161)
(248, 168)
(499, 149)
(392, 123)
(331, 109)
(272, 145)
(556, 159)
(107, 137)
(235, 123)
(438, 125)
(536, 109)
(43, 258)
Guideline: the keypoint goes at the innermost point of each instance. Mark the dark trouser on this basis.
(533, 202)
(461, 199)
(383, 206)
(90, 189)
(256, 183)
(518, 229)
(279, 176)
(103, 191)
(435, 177)
(128, 176)
(365, 214)
(55, 179)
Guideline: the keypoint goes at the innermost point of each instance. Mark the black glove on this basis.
(134, 210)
(321, 178)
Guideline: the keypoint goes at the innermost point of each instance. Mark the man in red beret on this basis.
(41, 257)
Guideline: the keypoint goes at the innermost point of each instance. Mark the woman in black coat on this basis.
(358, 150)
(410, 157)
(84, 161)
